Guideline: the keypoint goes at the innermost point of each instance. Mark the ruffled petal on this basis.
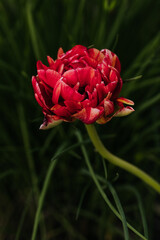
(56, 92)
(124, 111)
(40, 94)
(62, 111)
(96, 54)
(103, 120)
(50, 77)
(110, 87)
(85, 76)
(90, 61)
(105, 70)
(93, 98)
(101, 91)
(88, 115)
(78, 49)
(112, 59)
(73, 106)
(113, 76)
(60, 53)
(66, 92)
(108, 107)
(77, 64)
(125, 100)
(50, 61)
(40, 65)
(70, 77)
(50, 121)
(117, 89)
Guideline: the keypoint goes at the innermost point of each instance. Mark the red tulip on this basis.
(80, 84)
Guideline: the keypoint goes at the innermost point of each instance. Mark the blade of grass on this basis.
(145, 83)
(7, 173)
(44, 190)
(101, 28)
(140, 205)
(30, 160)
(48, 140)
(81, 200)
(142, 59)
(24, 213)
(117, 23)
(105, 168)
(148, 103)
(78, 20)
(120, 209)
(104, 196)
(41, 198)
(9, 35)
(32, 29)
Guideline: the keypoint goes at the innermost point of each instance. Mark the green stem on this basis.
(118, 161)
(100, 189)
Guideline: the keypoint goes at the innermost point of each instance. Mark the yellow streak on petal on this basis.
(125, 100)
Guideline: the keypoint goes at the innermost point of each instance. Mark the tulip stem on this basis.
(118, 161)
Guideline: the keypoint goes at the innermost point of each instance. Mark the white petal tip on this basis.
(46, 125)
(124, 112)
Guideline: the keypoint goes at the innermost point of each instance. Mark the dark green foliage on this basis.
(73, 208)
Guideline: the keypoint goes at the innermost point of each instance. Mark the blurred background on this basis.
(73, 207)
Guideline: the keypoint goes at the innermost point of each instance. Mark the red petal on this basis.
(95, 79)
(112, 59)
(93, 99)
(104, 120)
(85, 75)
(101, 91)
(96, 54)
(50, 121)
(78, 49)
(117, 89)
(77, 64)
(108, 107)
(66, 92)
(90, 61)
(38, 93)
(88, 115)
(69, 93)
(70, 77)
(105, 70)
(62, 112)
(86, 103)
(110, 87)
(124, 111)
(56, 92)
(40, 65)
(50, 77)
(60, 53)
(50, 61)
(58, 65)
(113, 76)
(73, 106)
(60, 68)
(125, 100)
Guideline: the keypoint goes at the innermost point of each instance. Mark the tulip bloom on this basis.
(80, 84)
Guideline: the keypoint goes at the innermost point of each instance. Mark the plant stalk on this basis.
(118, 161)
